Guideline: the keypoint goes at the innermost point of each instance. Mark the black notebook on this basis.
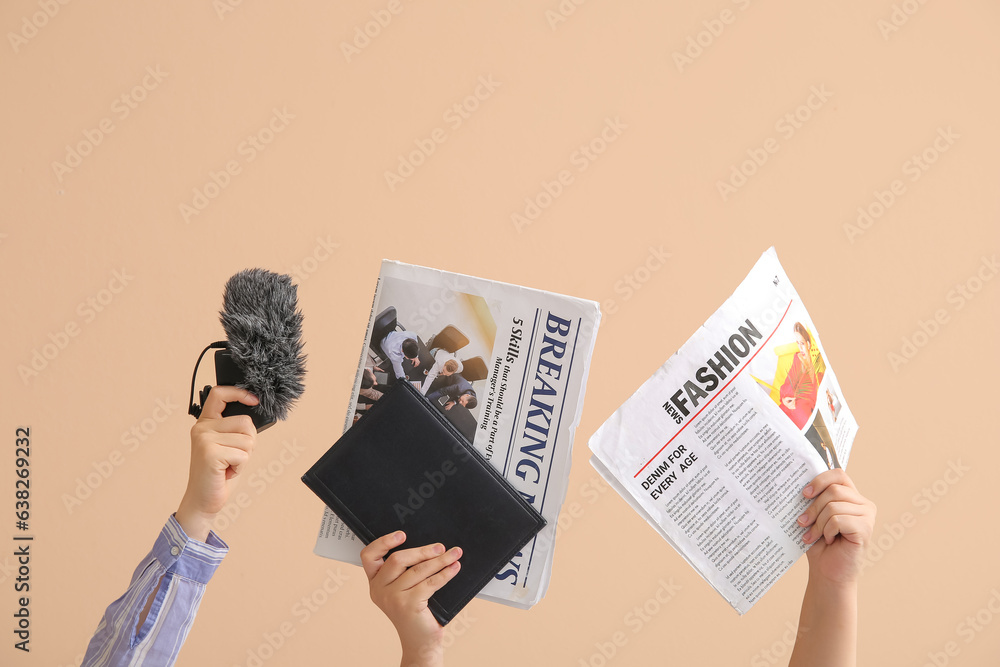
(403, 466)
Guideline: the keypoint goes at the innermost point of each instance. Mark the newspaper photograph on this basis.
(507, 366)
(715, 448)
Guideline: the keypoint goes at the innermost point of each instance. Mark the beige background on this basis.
(321, 182)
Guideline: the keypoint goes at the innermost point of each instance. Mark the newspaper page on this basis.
(715, 448)
(507, 366)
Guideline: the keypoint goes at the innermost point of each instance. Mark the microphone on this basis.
(263, 350)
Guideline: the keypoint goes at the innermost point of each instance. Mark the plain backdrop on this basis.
(151, 150)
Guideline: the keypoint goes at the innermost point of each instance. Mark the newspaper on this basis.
(715, 448)
(506, 365)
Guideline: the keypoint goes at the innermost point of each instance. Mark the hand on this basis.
(841, 522)
(416, 362)
(400, 586)
(789, 402)
(449, 405)
(220, 449)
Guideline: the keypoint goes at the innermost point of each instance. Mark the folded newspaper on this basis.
(715, 448)
(507, 366)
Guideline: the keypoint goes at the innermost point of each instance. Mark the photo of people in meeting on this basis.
(435, 338)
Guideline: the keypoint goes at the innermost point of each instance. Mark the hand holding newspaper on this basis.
(507, 366)
(715, 448)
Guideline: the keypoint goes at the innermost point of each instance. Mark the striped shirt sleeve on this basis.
(177, 569)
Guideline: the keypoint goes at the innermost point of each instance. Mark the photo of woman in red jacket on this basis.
(799, 391)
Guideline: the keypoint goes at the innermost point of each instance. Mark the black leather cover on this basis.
(403, 466)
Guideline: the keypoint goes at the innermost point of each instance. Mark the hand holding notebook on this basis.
(402, 584)
(404, 467)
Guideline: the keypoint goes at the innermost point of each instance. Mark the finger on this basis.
(231, 424)
(835, 492)
(235, 461)
(400, 561)
(222, 394)
(432, 584)
(373, 555)
(421, 571)
(832, 509)
(242, 441)
(825, 479)
(854, 529)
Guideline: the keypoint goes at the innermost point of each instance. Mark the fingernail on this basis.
(439, 549)
(457, 551)
(398, 536)
(808, 491)
(806, 537)
(803, 519)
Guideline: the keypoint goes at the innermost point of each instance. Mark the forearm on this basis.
(429, 380)
(428, 656)
(828, 625)
(155, 613)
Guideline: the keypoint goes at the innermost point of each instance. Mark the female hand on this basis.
(841, 522)
(401, 585)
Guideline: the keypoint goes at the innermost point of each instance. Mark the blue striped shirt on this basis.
(185, 566)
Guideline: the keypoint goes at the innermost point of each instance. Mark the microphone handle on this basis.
(228, 373)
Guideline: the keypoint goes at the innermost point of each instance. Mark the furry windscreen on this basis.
(264, 328)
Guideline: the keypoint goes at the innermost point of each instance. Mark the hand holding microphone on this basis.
(220, 449)
(263, 347)
(259, 371)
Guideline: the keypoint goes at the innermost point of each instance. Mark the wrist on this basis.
(833, 589)
(196, 524)
(426, 657)
(426, 653)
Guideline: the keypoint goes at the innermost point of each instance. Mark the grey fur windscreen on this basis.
(264, 328)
